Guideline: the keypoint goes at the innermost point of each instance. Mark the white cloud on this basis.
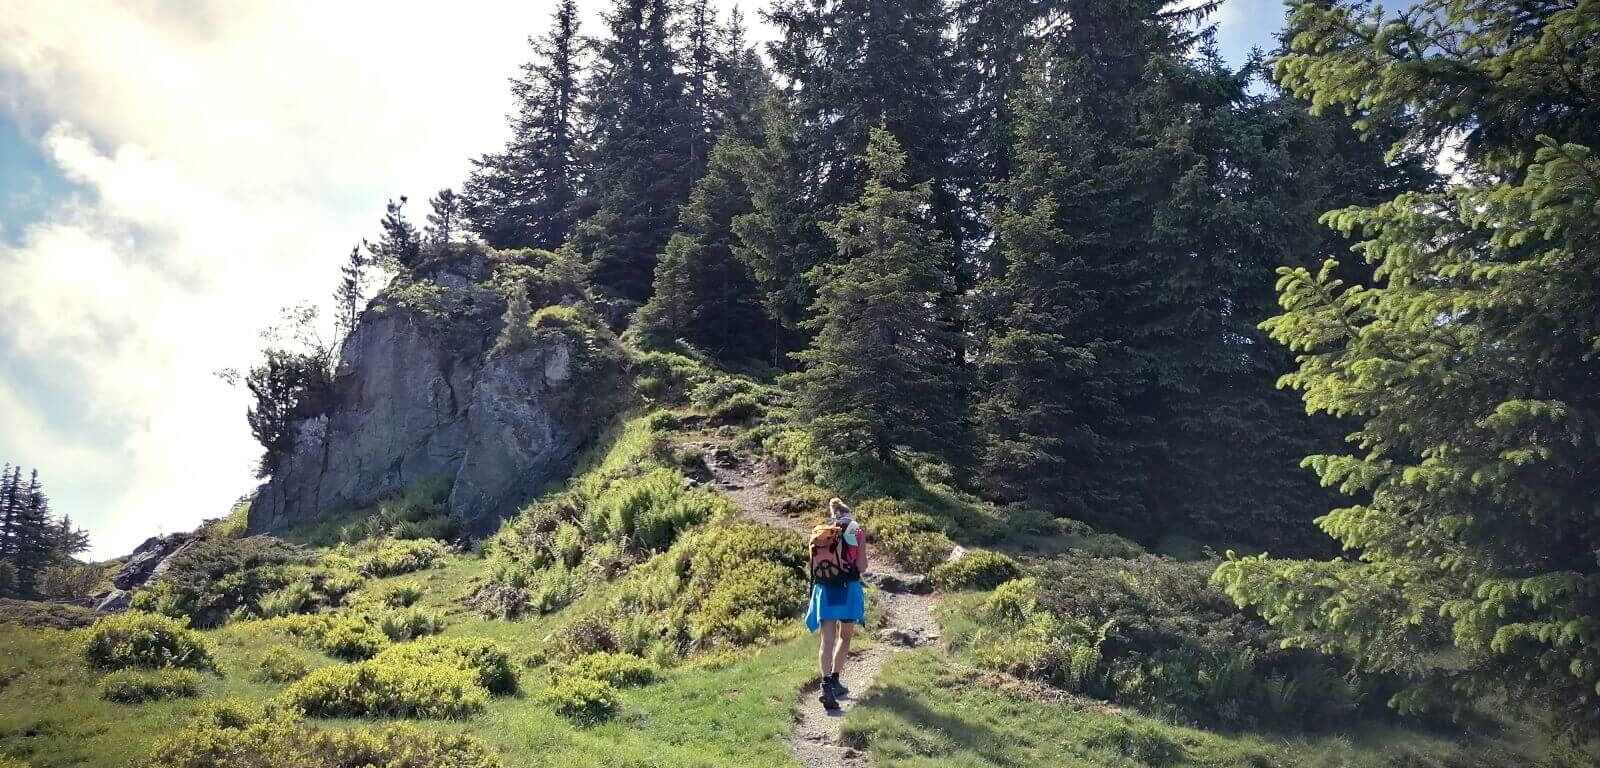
(229, 158)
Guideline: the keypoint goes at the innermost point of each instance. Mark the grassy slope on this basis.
(929, 709)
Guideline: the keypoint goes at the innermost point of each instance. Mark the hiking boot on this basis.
(837, 688)
(828, 701)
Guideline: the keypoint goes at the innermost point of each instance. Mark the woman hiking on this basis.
(838, 604)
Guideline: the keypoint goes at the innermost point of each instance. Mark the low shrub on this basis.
(978, 569)
(390, 688)
(214, 577)
(484, 658)
(32, 613)
(350, 638)
(401, 624)
(620, 670)
(280, 665)
(232, 735)
(147, 641)
(747, 603)
(1154, 632)
(137, 686)
(581, 700)
(393, 558)
(402, 595)
(908, 536)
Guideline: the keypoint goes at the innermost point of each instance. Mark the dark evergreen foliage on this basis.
(528, 195)
(703, 294)
(32, 538)
(879, 374)
(643, 146)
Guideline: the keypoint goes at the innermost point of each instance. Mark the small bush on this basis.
(350, 638)
(748, 603)
(388, 689)
(403, 624)
(484, 658)
(232, 735)
(143, 640)
(620, 670)
(394, 558)
(280, 665)
(402, 595)
(979, 569)
(909, 537)
(581, 700)
(136, 686)
(214, 577)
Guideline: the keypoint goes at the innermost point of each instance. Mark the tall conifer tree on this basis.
(703, 293)
(879, 374)
(528, 195)
(643, 140)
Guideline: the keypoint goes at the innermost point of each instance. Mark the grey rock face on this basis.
(417, 400)
(149, 560)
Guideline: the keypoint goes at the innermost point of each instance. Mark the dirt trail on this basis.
(906, 614)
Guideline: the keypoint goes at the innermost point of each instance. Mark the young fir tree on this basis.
(642, 147)
(879, 374)
(852, 65)
(703, 294)
(444, 221)
(1468, 366)
(527, 195)
(351, 293)
(33, 534)
(399, 245)
(10, 505)
(778, 239)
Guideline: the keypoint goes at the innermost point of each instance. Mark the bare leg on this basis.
(825, 657)
(842, 652)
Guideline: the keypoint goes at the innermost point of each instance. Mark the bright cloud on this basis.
(228, 159)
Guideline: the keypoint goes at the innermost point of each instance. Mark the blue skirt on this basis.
(836, 602)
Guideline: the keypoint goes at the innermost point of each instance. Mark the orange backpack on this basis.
(828, 563)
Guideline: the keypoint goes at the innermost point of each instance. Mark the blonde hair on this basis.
(837, 507)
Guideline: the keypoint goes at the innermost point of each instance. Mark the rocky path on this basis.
(904, 601)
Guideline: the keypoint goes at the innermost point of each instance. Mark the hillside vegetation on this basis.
(1198, 414)
(630, 617)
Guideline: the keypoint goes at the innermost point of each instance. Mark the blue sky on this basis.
(171, 174)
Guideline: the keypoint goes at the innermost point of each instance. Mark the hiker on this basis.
(838, 558)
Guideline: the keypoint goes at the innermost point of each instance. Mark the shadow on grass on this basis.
(924, 729)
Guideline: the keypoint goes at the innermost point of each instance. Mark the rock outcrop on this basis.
(419, 397)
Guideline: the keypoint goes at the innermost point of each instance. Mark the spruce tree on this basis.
(878, 374)
(743, 84)
(10, 482)
(33, 531)
(351, 293)
(1467, 366)
(703, 294)
(444, 221)
(528, 194)
(779, 240)
(642, 143)
(399, 245)
(701, 86)
(853, 65)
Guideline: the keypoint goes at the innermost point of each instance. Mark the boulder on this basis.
(149, 559)
(419, 398)
(113, 600)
